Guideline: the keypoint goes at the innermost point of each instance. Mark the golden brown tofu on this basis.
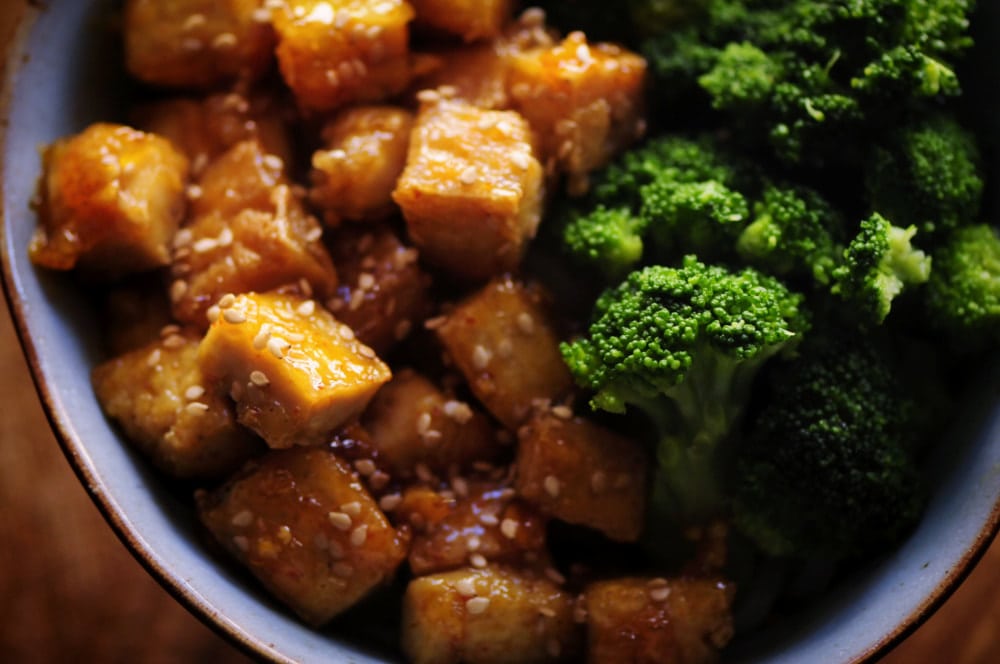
(170, 413)
(205, 128)
(494, 615)
(586, 101)
(668, 621)
(364, 152)
(384, 293)
(501, 340)
(335, 52)
(302, 523)
(135, 313)
(295, 372)
(583, 473)
(412, 422)
(112, 198)
(250, 232)
(197, 43)
(469, 19)
(472, 189)
(474, 523)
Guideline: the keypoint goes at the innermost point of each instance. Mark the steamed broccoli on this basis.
(825, 468)
(927, 175)
(682, 345)
(963, 295)
(811, 78)
(703, 218)
(878, 264)
(608, 238)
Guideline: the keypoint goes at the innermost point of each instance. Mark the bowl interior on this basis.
(68, 75)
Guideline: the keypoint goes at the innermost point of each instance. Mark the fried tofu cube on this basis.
(586, 101)
(158, 396)
(364, 152)
(112, 198)
(197, 43)
(204, 128)
(472, 189)
(295, 372)
(414, 422)
(335, 52)
(668, 621)
(494, 615)
(250, 232)
(469, 19)
(384, 293)
(483, 521)
(501, 340)
(583, 473)
(301, 522)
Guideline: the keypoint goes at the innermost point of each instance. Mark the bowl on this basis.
(62, 73)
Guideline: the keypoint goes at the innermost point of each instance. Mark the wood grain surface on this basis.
(70, 592)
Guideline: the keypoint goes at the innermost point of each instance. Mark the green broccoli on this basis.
(927, 175)
(794, 232)
(878, 264)
(702, 218)
(963, 295)
(683, 345)
(608, 238)
(825, 469)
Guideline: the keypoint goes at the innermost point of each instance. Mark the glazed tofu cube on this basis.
(295, 373)
(205, 128)
(197, 43)
(584, 100)
(335, 52)
(468, 19)
(583, 473)
(301, 522)
(500, 339)
(364, 152)
(668, 621)
(384, 293)
(250, 232)
(413, 422)
(165, 407)
(482, 522)
(112, 198)
(472, 189)
(487, 616)
(135, 313)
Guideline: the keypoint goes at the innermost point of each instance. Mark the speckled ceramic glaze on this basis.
(63, 75)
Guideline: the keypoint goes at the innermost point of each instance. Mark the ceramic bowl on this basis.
(63, 74)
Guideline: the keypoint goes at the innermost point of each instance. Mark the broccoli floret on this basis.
(609, 238)
(682, 345)
(825, 468)
(702, 218)
(814, 80)
(795, 232)
(927, 175)
(878, 264)
(963, 294)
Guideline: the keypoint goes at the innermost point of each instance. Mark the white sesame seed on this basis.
(174, 341)
(551, 485)
(227, 301)
(435, 323)
(177, 290)
(525, 322)
(352, 509)
(379, 480)
(423, 422)
(213, 313)
(457, 410)
(468, 176)
(555, 576)
(359, 535)
(234, 316)
(366, 352)
(259, 378)
(260, 341)
(261, 15)
(242, 519)
(547, 611)
(424, 473)
(562, 412)
(194, 392)
(224, 40)
(466, 587)
(182, 238)
(659, 594)
(340, 520)
(488, 519)
(205, 244)
(473, 543)
(505, 348)
(196, 408)
(153, 358)
(481, 357)
(225, 237)
(345, 332)
(478, 560)
(521, 160)
(477, 605)
(365, 466)
(278, 346)
(366, 281)
(193, 21)
(307, 308)
(428, 97)
(390, 501)
(509, 528)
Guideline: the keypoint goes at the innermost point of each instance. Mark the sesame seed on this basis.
(182, 238)
(579, 614)
(365, 466)
(205, 244)
(555, 576)
(224, 40)
(435, 323)
(345, 332)
(359, 535)
(488, 519)
(424, 473)
(659, 594)
(193, 21)
(352, 508)
(477, 605)
(153, 358)
(473, 543)
(259, 378)
(525, 322)
(505, 348)
(274, 162)
(521, 160)
(533, 17)
(260, 341)
(551, 485)
(227, 301)
(457, 410)
(509, 528)
(278, 346)
(481, 357)
(284, 534)
(174, 341)
(340, 520)
(196, 408)
(478, 560)
(234, 316)
(487, 122)
(547, 611)
(366, 352)
(242, 519)
(194, 392)
(177, 290)
(213, 313)
(307, 308)
(466, 587)
(225, 237)
(562, 412)
(423, 422)
(314, 234)
(428, 96)
(261, 15)
(468, 176)
(598, 481)
(390, 501)
(379, 480)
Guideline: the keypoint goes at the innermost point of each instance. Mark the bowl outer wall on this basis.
(54, 92)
